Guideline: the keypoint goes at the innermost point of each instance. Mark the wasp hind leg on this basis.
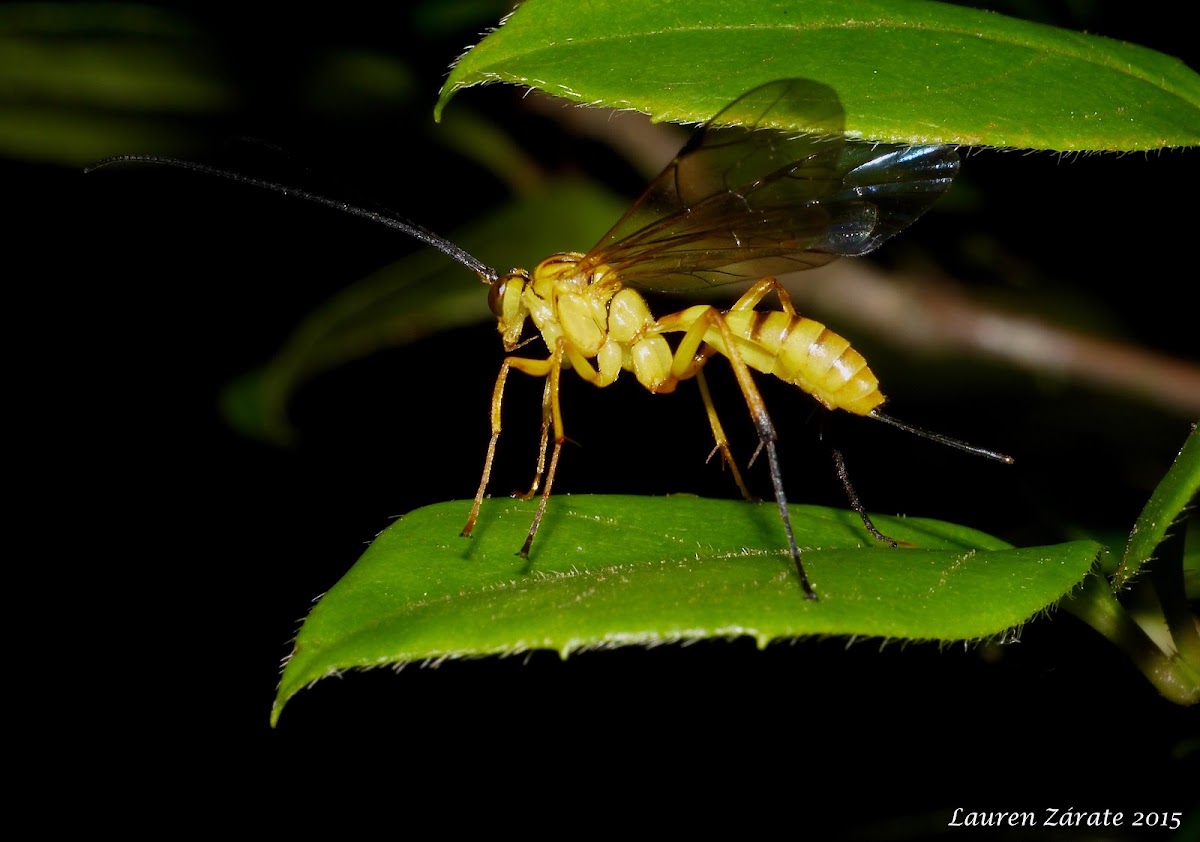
(754, 296)
(695, 323)
(700, 354)
(839, 464)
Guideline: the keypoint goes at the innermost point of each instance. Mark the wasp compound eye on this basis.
(496, 292)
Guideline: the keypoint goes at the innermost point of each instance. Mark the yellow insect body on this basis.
(607, 327)
(742, 201)
(747, 199)
(595, 325)
(804, 353)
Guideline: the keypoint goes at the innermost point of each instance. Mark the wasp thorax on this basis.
(558, 266)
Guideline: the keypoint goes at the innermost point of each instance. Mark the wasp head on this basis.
(506, 298)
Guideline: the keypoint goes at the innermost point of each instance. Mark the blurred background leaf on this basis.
(79, 82)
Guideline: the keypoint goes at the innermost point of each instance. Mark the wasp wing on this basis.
(746, 198)
(900, 182)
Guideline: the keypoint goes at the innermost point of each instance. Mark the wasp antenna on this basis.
(941, 439)
(383, 217)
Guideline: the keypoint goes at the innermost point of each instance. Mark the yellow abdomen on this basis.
(804, 353)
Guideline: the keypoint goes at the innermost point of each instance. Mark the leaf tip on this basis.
(448, 90)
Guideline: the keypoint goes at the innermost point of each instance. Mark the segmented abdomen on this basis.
(807, 354)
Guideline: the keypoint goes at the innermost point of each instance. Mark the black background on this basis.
(176, 558)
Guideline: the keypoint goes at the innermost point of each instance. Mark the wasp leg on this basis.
(555, 363)
(748, 301)
(839, 464)
(754, 296)
(542, 447)
(722, 443)
(695, 323)
(549, 400)
(534, 368)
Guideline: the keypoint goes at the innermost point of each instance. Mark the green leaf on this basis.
(1153, 623)
(611, 571)
(1171, 498)
(906, 71)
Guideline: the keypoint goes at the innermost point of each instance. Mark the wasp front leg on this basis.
(550, 400)
(543, 443)
(548, 369)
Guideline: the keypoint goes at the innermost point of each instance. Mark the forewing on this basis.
(748, 198)
(900, 182)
